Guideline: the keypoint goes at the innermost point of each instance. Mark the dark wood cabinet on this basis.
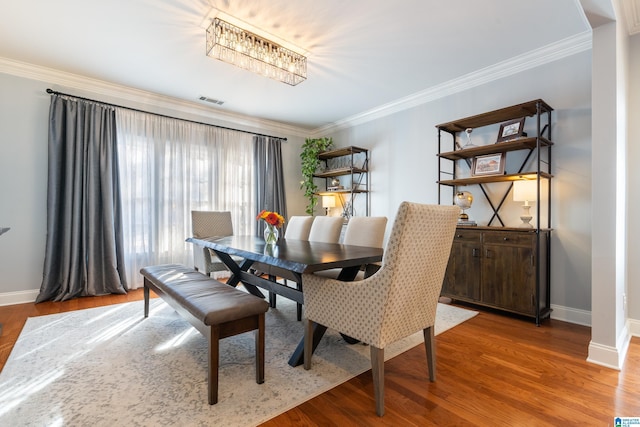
(462, 280)
(499, 268)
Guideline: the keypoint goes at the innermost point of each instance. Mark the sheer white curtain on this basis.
(169, 167)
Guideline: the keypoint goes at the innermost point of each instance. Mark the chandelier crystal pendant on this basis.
(249, 51)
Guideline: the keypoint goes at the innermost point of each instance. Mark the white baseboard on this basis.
(19, 297)
(633, 326)
(608, 356)
(571, 315)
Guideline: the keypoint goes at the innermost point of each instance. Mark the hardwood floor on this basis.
(493, 370)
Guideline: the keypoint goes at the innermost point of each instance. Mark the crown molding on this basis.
(553, 52)
(632, 15)
(128, 96)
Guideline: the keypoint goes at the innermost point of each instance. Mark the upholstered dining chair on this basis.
(298, 227)
(326, 229)
(398, 300)
(361, 231)
(209, 224)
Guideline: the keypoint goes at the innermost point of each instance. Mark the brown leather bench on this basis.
(213, 308)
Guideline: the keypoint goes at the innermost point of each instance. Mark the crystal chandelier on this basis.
(247, 50)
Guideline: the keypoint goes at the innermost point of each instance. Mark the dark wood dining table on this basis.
(297, 256)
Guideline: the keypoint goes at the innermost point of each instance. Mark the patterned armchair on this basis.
(398, 300)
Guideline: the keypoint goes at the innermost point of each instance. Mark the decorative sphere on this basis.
(463, 199)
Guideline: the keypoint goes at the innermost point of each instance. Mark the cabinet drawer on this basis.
(471, 236)
(511, 239)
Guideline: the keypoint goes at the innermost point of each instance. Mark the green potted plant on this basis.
(309, 163)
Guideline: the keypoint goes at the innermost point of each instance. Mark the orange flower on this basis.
(271, 218)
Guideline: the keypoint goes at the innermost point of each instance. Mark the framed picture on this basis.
(511, 130)
(491, 164)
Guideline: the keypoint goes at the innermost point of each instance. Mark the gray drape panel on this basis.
(269, 177)
(84, 251)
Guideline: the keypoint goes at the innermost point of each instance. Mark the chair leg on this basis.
(430, 347)
(377, 369)
(308, 343)
(260, 332)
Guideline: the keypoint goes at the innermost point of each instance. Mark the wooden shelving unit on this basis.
(496, 266)
(356, 170)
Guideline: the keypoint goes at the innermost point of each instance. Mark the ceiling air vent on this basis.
(211, 100)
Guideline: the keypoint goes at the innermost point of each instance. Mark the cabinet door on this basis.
(509, 277)
(462, 279)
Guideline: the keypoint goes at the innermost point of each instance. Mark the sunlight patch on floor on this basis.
(177, 341)
(14, 394)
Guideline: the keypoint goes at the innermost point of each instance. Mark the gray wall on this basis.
(24, 109)
(404, 146)
(633, 274)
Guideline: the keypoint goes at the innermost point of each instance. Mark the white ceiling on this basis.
(362, 53)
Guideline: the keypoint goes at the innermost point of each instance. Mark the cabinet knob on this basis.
(458, 235)
(505, 238)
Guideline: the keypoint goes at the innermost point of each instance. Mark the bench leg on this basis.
(214, 360)
(146, 298)
(259, 334)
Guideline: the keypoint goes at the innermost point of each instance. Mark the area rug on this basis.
(109, 366)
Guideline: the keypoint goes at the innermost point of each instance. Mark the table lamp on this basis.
(525, 191)
(328, 202)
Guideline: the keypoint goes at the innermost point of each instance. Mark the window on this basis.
(169, 167)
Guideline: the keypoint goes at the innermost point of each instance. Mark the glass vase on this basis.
(270, 235)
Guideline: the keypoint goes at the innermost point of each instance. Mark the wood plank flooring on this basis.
(493, 370)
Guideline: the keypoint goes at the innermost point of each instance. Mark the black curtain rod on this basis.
(51, 91)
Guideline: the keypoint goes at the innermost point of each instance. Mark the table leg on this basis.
(298, 305)
(235, 272)
(347, 274)
(272, 295)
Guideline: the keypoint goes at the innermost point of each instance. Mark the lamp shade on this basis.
(525, 191)
(328, 202)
